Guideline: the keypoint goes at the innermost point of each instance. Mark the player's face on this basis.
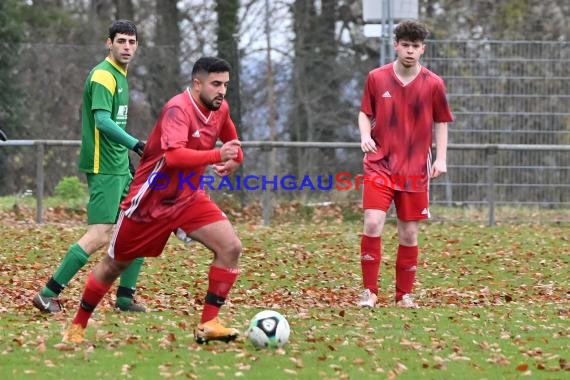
(409, 52)
(213, 89)
(122, 49)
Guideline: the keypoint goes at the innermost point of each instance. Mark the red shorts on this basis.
(410, 206)
(132, 239)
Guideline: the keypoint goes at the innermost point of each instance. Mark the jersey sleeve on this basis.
(103, 86)
(174, 128)
(105, 124)
(228, 133)
(188, 158)
(441, 109)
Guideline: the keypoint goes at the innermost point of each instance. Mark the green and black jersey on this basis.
(106, 88)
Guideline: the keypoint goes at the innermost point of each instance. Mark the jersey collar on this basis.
(201, 110)
(114, 64)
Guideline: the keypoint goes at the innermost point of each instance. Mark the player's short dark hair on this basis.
(411, 30)
(124, 27)
(207, 65)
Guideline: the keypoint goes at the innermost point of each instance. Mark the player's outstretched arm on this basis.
(110, 129)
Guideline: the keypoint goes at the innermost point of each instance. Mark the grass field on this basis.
(495, 305)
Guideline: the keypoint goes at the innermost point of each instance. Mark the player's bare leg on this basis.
(221, 238)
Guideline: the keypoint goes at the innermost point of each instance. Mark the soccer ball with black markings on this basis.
(268, 329)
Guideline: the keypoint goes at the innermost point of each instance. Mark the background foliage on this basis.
(298, 67)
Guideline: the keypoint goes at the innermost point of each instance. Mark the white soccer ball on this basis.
(268, 329)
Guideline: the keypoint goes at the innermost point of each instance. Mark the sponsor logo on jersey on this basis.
(122, 112)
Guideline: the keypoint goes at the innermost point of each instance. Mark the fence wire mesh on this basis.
(501, 92)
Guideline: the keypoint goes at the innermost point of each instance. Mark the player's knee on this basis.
(235, 248)
(96, 237)
(230, 253)
(408, 237)
(108, 269)
(372, 227)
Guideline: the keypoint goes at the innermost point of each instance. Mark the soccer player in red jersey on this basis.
(402, 102)
(165, 197)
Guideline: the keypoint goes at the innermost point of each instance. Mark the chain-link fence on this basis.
(501, 92)
(506, 92)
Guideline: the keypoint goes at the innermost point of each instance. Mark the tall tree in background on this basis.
(165, 81)
(125, 9)
(100, 14)
(10, 33)
(315, 80)
(227, 30)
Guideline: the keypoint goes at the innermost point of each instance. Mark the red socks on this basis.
(370, 257)
(220, 281)
(92, 295)
(406, 266)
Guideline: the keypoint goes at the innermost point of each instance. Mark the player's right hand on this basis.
(230, 149)
(367, 144)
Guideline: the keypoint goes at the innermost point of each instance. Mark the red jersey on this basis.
(159, 191)
(402, 120)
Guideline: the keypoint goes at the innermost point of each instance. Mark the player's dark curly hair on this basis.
(124, 27)
(411, 30)
(207, 65)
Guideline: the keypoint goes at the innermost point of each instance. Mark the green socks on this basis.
(74, 260)
(128, 282)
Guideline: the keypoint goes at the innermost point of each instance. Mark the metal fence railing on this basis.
(476, 174)
(505, 92)
(501, 92)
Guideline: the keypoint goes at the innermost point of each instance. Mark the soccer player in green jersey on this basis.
(104, 158)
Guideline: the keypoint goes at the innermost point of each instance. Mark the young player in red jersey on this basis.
(165, 197)
(401, 102)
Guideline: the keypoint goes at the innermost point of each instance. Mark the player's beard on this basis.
(122, 61)
(210, 103)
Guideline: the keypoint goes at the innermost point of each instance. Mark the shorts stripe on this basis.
(111, 251)
(142, 191)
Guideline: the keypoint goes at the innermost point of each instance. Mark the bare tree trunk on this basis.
(303, 13)
(100, 16)
(125, 9)
(165, 65)
(316, 86)
(271, 115)
(227, 40)
(228, 49)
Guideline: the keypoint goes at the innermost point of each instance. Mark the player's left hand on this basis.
(439, 167)
(132, 167)
(226, 168)
(139, 148)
